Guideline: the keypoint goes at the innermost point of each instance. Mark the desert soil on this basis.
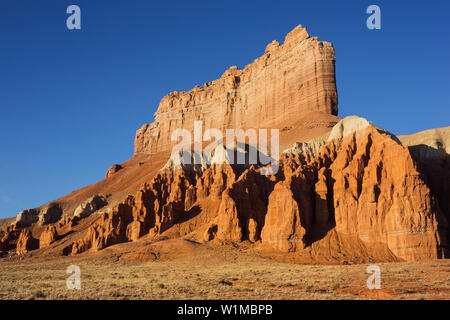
(217, 274)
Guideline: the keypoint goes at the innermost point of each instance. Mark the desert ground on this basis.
(228, 273)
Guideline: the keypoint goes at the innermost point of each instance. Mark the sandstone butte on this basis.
(346, 191)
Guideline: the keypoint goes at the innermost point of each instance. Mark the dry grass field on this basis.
(214, 274)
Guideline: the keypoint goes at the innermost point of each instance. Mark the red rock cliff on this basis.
(359, 199)
(289, 80)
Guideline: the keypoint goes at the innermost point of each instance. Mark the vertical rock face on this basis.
(48, 237)
(50, 214)
(26, 242)
(27, 217)
(431, 150)
(289, 80)
(360, 198)
(282, 229)
(91, 205)
(379, 195)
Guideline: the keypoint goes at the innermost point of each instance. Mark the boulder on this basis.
(26, 242)
(113, 169)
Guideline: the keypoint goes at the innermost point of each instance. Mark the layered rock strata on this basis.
(362, 188)
(295, 78)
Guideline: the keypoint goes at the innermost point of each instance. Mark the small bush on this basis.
(309, 288)
(290, 284)
(114, 294)
(225, 282)
(335, 286)
(38, 294)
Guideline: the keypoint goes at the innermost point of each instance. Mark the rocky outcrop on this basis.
(27, 217)
(347, 126)
(291, 79)
(243, 206)
(366, 186)
(379, 195)
(307, 150)
(90, 206)
(282, 228)
(45, 215)
(356, 194)
(5, 238)
(26, 242)
(240, 155)
(431, 144)
(430, 149)
(108, 230)
(113, 169)
(48, 236)
(362, 188)
(50, 214)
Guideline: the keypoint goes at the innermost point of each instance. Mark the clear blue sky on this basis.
(71, 101)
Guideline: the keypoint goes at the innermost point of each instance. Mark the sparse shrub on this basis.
(183, 290)
(290, 284)
(225, 282)
(335, 286)
(45, 285)
(114, 294)
(38, 294)
(404, 290)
